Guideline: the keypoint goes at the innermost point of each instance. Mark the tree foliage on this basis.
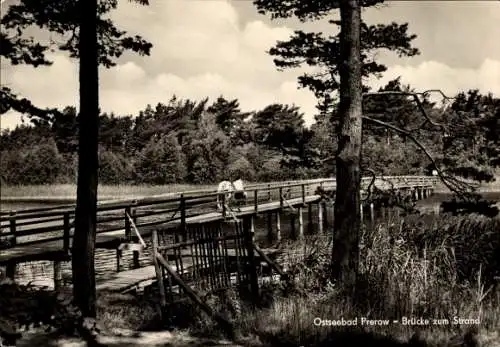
(258, 151)
(321, 51)
(60, 19)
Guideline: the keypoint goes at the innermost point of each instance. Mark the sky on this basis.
(208, 48)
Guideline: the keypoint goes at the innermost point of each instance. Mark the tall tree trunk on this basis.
(86, 199)
(345, 252)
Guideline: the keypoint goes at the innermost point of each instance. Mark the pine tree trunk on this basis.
(86, 201)
(345, 252)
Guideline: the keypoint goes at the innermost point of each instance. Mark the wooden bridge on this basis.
(127, 225)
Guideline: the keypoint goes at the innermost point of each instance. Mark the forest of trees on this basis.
(206, 141)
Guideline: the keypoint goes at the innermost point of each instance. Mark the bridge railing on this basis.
(35, 226)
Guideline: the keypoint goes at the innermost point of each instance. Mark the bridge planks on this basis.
(121, 281)
(52, 250)
(125, 280)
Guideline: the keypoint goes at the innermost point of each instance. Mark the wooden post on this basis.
(256, 200)
(281, 197)
(301, 222)
(278, 226)
(128, 230)
(361, 210)
(372, 212)
(249, 240)
(325, 215)
(252, 225)
(118, 258)
(12, 227)
(183, 215)
(10, 271)
(159, 272)
(66, 232)
(303, 194)
(320, 218)
(269, 226)
(57, 275)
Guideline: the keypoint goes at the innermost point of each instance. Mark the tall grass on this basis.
(431, 267)
(416, 268)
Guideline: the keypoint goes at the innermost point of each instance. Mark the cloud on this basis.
(200, 49)
(436, 75)
(204, 49)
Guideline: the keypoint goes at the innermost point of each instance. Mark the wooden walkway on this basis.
(136, 278)
(125, 280)
(122, 222)
(53, 250)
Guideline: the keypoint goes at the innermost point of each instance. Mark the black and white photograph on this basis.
(250, 173)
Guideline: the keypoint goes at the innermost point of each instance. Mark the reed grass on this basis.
(110, 191)
(420, 267)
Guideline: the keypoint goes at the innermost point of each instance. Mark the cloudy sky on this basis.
(218, 47)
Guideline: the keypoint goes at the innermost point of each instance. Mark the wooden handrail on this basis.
(137, 233)
(189, 203)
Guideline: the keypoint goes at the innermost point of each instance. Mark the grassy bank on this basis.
(431, 267)
(418, 268)
(68, 191)
(113, 191)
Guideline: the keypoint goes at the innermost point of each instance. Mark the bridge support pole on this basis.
(57, 275)
(320, 217)
(372, 212)
(301, 223)
(309, 218)
(10, 271)
(269, 227)
(278, 226)
(249, 241)
(118, 259)
(135, 260)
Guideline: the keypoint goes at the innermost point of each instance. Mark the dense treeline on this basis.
(201, 142)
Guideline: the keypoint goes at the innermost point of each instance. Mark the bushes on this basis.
(208, 152)
(39, 164)
(114, 168)
(241, 168)
(161, 162)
